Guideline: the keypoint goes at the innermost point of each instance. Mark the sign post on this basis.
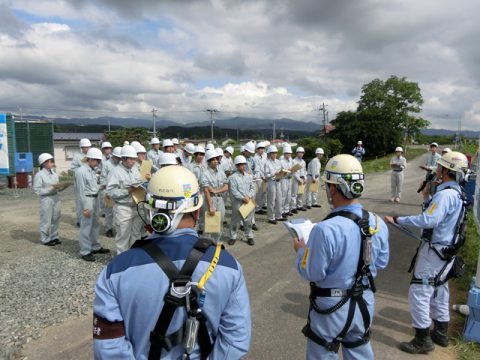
(4, 164)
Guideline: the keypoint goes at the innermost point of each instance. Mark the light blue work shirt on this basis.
(131, 288)
(441, 215)
(432, 159)
(358, 152)
(331, 255)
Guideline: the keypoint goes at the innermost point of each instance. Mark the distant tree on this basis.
(117, 137)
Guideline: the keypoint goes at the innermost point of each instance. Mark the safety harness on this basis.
(180, 295)
(354, 294)
(448, 254)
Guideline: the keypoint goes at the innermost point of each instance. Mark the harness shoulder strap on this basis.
(158, 338)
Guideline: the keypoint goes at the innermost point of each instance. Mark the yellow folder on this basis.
(296, 167)
(138, 195)
(108, 202)
(246, 209)
(213, 223)
(301, 189)
(146, 168)
(315, 186)
(264, 186)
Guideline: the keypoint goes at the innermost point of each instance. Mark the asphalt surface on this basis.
(279, 297)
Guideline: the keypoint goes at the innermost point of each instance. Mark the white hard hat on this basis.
(300, 149)
(199, 149)
(94, 153)
(359, 143)
(209, 147)
(44, 157)
(434, 144)
(106, 144)
(242, 148)
(260, 144)
(287, 149)
(319, 151)
(167, 142)
(167, 159)
(117, 152)
(85, 143)
(346, 172)
(399, 148)
(446, 150)
(154, 141)
(175, 141)
(272, 149)
(219, 151)
(126, 143)
(240, 159)
(141, 149)
(135, 143)
(229, 149)
(249, 147)
(129, 151)
(455, 161)
(190, 148)
(210, 154)
(267, 143)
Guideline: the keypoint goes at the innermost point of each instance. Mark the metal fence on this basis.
(476, 208)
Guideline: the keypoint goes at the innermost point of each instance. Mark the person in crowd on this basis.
(286, 182)
(299, 179)
(77, 162)
(398, 163)
(272, 170)
(168, 146)
(359, 151)
(107, 167)
(187, 153)
(260, 160)
(340, 259)
(88, 188)
(154, 153)
(313, 176)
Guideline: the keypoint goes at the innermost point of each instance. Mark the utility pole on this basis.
(154, 122)
(274, 134)
(324, 111)
(212, 121)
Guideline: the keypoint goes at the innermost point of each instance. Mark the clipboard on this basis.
(301, 189)
(315, 186)
(296, 167)
(138, 195)
(246, 209)
(108, 202)
(62, 185)
(213, 223)
(145, 168)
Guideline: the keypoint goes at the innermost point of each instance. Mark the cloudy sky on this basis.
(278, 58)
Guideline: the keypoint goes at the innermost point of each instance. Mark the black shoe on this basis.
(231, 241)
(308, 207)
(294, 211)
(317, 206)
(88, 257)
(200, 232)
(274, 222)
(109, 233)
(264, 207)
(260, 212)
(56, 241)
(285, 215)
(290, 213)
(78, 224)
(281, 219)
(439, 334)
(255, 227)
(50, 243)
(302, 209)
(242, 228)
(101, 251)
(103, 215)
(250, 242)
(421, 344)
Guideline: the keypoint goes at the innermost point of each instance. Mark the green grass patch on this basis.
(383, 163)
(469, 252)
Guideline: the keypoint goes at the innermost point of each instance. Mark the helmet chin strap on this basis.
(329, 196)
(177, 217)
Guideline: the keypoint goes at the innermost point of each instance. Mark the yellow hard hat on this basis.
(455, 161)
(346, 172)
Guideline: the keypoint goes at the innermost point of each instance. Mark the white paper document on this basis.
(299, 228)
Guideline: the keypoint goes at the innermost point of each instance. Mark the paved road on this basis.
(279, 296)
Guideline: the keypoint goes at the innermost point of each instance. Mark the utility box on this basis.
(35, 137)
(23, 162)
(472, 327)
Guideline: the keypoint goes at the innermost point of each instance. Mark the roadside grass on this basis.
(469, 252)
(383, 163)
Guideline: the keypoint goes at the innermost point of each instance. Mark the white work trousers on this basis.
(397, 184)
(286, 186)
(128, 226)
(49, 217)
(274, 199)
(312, 197)
(237, 219)
(297, 199)
(89, 230)
(260, 196)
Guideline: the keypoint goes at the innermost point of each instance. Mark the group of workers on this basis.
(139, 292)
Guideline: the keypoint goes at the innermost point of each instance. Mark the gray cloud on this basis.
(9, 24)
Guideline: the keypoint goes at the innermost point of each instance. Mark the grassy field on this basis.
(383, 163)
(469, 252)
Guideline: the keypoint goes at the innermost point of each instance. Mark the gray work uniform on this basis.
(198, 169)
(128, 223)
(101, 194)
(252, 169)
(397, 175)
(298, 176)
(240, 185)
(260, 198)
(274, 190)
(77, 162)
(107, 168)
(186, 159)
(49, 204)
(215, 179)
(87, 187)
(154, 155)
(313, 173)
(228, 169)
(286, 185)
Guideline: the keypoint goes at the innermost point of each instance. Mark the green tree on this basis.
(117, 137)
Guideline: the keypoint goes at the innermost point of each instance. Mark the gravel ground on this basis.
(39, 285)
